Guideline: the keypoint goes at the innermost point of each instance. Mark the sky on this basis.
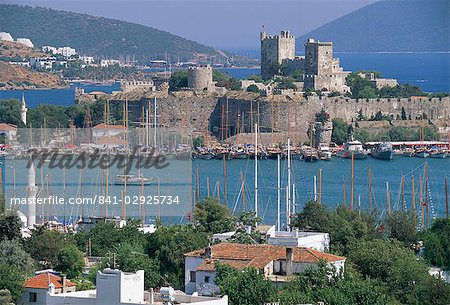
(225, 24)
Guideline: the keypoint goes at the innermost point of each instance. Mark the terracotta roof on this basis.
(41, 281)
(258, 256)
(110, 141)
(104, 126)
(7, 127)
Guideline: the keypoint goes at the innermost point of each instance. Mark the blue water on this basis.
(62, 97)
(334, 173)
(430, 71)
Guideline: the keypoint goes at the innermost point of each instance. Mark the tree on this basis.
(44, 246)
(246, 287)
(212, 217)
(70, 261)
(10, 112)
(339, 133)
(178, 79)
(360, 87)
(436, 242)
(390, 262)
(198, 142)
(10, 227)
(168, 245)
(403, 114)
(253, 88)
(12, 254)
(11, 279)
(322, 116)
(5, 297)
(131, 258)
(402, 226)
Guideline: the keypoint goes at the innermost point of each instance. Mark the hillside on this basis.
(95, 35)
(17, 77)
(389, 25)
(14, 50)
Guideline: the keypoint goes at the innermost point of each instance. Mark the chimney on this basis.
(152, 296)
(208, 252)
(63, 282)
(51, 288)
(289, 261)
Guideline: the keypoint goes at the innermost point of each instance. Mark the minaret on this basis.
(23, 114)
(31, 194)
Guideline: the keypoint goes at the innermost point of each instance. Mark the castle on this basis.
(320, 70)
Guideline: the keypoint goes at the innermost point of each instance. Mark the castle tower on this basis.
(275, 49)
(200, 78)
(23, 111)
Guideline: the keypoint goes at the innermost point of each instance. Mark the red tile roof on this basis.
(104, 126)
(258, 256)
(7, 127)
(41, 281)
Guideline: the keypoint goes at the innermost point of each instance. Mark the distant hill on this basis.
(389, 25)
(17, 77)
(95, 35)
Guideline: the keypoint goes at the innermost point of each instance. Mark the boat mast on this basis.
(289, 180)
(256, 169)
(413, 199)
(352, 192)
(370, 191)
(278, 193)
(446, 195)
(320, 188)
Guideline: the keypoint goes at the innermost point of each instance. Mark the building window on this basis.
(206, 279)
(192, 276)
(32, 297)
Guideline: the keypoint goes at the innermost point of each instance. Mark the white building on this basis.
(108, 62)
(9, 130)
(49, 49)
(88, 60)
(66, 51)
(315, 240)
(6, 36)
(277, 263)
(37, 287)
(26, 42)
(115, 287)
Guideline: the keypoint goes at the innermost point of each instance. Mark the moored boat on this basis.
(132, 179)
(352, 148)
(382, 151)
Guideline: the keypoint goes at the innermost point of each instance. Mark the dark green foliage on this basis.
(253, 88)
(247, 287)
(389, 261)
(339, 133)
(10, 112)
(95, 35)
(402, 226)
(212, 217)
(105, 237)
(220, 76)
(198, 142)
(437, 243)
(131, 258)
(319, 285)
(346, 227)
(11, 279)
(179, 79)
(9, 227)
(11, 253)
(70, 261)
(44, 246)
(168, 245)
(322, 116)
(360, 87)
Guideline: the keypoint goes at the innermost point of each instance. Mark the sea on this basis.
(430, 71)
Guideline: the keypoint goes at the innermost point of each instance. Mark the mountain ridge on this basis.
(389, 26)
(94, 35)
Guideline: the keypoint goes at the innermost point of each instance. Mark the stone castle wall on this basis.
(238, 113)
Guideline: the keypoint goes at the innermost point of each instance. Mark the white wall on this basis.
(190, 264)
